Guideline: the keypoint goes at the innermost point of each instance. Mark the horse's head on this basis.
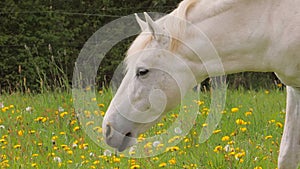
(155, 81)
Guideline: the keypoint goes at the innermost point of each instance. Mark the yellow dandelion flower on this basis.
(20, 132)
(162, 165)
(136, 166)
(240, 122)
(204, 124)
(172, 161)
(62, 133)
(248, 113)
(63, 114)
(225, 138)
(218, 149)
(96, 162)
(268, 137)
(160, 124)
(76, 128)
(17, 146)
(101, 105)
(31, 131)
(234, 109)
(35, 155)
(278, 124)
(116, 159)
(243, 129)
(216, 131)
(174, 148)
(33, 165)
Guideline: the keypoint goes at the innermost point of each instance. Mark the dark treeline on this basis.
(40, 41)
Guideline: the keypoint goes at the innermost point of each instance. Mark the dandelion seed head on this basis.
(107, 153)
(156, 143)
(178, 130)
(57, 159)
(60, 109)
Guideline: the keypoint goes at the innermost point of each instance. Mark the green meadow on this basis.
(42, 131)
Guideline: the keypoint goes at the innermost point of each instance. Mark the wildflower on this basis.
(227, 148)
(225, 138)
(31, 131)
(200, 102)
(136, 166)
(116, 160)
(172, 161)
(174, 148)
(243, 129)
(35, 155)
(162, 165)
(216, 131)
(178, 130)
(271, 121)
(63, 114)
(156, 143)
(240, 122)
(278, 124)
(267, 91)
(60, 109)
(258, 168)
(101, 105)
(57, 159)
(218, 149)
(248, 113)
(62, 133)
(160, 124)
(17, 146)
(28, 109)
(155, 158)
(20, 132)
(33, 165)
(234, 109)
(107, 153)
(204, 124)
(76, 128)
(268, 137)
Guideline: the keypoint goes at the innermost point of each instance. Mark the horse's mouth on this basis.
(126, 142)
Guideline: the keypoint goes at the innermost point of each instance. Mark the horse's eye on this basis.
(141, 72)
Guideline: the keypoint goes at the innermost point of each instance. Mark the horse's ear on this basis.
(142, 24)
(153, 27)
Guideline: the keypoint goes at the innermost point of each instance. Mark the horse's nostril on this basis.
(128, 134)
(108, 131)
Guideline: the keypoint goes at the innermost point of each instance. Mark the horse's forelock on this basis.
(175, 25)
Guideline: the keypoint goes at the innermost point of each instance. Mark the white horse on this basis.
(249, 35)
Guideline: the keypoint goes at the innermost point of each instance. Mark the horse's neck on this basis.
(239, 34)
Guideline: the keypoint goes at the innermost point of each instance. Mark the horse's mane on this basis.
(175, 22)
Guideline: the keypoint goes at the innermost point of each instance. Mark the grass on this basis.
(42, 131)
